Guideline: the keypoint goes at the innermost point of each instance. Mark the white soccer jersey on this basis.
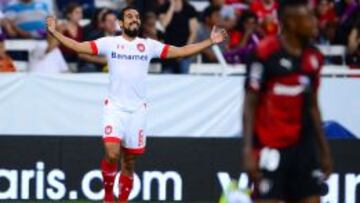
(128, 63)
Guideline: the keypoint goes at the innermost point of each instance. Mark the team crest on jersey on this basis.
(141, 47)
(108, 130)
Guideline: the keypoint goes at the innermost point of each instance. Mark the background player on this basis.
(283, 133)
(124, 113)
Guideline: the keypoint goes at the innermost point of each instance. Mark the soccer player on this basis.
(285, 150)
(128, 57)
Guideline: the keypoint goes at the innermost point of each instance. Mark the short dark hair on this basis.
(71, 7)
(286, 4)
(209, 11)
(122, 12)
(104, 15)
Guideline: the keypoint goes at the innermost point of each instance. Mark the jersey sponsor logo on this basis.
(141, 47)
(134, 57)
(288, 90)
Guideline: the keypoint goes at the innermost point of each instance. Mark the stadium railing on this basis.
(198, 68)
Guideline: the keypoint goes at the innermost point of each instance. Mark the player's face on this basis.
(306, 24)
(131, 23)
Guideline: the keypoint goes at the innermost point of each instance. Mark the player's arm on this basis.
(217, 36)
(250, 164)
(78, 47)
(93, 59)
(324, 149)
(255, 76)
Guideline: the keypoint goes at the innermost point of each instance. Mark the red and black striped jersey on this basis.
(284, 83)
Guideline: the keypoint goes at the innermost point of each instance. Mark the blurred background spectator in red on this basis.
(266, 11)
(326, 13)
(179, 19)
(243, 38)
(72, 29)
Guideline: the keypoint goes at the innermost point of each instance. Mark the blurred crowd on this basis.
(175, 22)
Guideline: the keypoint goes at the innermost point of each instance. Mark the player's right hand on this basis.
(251, 165)
(51, 24)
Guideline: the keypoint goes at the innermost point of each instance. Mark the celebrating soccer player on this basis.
(285, 150)
(128, 57)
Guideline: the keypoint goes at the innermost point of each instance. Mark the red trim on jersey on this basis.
(133, 151)
(94, 48)
(165, 51)
(112, 139)
(267, 46)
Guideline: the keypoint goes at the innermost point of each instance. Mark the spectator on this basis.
(149, 29)
(327, 35)
(109, 28)
(6, 63)
(88, 6)
(349, 14)
(227, 12)
(72, 29)
(266, 12)
(349, 8)
(48, 58)
(110, 23)
(211, 17)
(178, 18)
(27, 18)
(243, 39)
(354, 46)
(95, 29)
(4, 3)
(326, 13)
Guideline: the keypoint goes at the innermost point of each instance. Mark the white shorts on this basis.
(125, 127)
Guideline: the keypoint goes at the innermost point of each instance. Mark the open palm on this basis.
(218, 35)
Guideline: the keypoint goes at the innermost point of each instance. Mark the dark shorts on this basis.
(290, 173)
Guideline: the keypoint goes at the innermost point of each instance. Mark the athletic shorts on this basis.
(125, 127)
(289, 174)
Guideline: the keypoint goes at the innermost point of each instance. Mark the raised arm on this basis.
(216, 36)
(79, 47)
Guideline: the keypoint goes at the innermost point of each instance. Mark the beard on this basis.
(131, 33)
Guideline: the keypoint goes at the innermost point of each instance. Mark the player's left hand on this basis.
(218, 35)
(326, 165)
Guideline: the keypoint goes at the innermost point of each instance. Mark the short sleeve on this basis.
(100, 46)
(158, 49)
(255, 74)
